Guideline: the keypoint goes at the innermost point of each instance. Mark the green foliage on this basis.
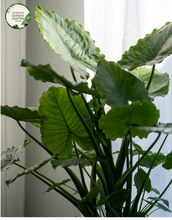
(155, 47)
(76, 132)
(11, 155)
(69, 40)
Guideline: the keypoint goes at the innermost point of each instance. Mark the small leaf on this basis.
(75, 161)
(159, 205)
(29, 170)
(91, 194)
(119, 86)
(160, 82)
(9, 156)
(57, 184)
(69, 40)
(29, 114)
(139, 179)
(118, 198)
(155, 191)
(45, 73)
(166, 202)
(168, 162)
(114, 124)
(150, 50)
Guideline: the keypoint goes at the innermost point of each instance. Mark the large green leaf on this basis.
(63, 125)
(29, 114)
(11, 155)
(68, 39)
(114, 124)
(160, 82)
(150, 50)
(45, 73)
(119, 86)
(75, 161)
(139, 179)
(168, 162)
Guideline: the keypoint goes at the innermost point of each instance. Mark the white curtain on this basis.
(115, 25)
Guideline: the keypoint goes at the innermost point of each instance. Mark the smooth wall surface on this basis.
(38, 204)
(12, 94)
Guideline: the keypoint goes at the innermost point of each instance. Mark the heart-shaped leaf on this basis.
(119, 86)
(118, 120)
(29, 114)
(9, 156)
(139, 179)
(150, 50)
(168, 162)
(69, 40)
(64, 124)
(160, 82)
(45, 73)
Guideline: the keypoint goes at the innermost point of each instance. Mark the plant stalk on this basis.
(151, 77)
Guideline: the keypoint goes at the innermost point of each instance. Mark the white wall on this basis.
(50, 204)
(12, 93)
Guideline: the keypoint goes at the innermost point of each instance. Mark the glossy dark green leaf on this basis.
(11, 155)
(45, 73)
(168, 162)
(75, 161)
(69, 40)
(160, 82)
(119, 86)
(150, 50)
(64, 124)
(139, 179)
(29, 114)
(114, 123)
(117, 198)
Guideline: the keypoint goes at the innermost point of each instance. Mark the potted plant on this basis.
(78, 132)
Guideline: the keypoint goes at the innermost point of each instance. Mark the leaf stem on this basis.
(80, 169)
(151, 77)
(106, 201)
(135, 203)
(105, 166)
(48, 151)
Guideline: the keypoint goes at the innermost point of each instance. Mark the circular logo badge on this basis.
(18, 16)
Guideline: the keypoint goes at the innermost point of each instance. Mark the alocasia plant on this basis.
(78, 132)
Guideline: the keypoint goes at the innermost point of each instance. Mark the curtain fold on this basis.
(115, 25)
